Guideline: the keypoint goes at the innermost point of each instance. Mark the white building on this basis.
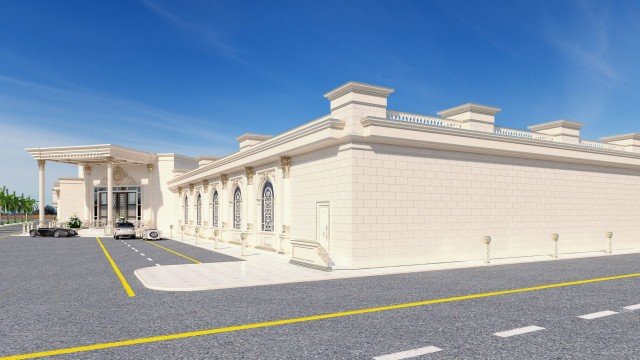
(364, 186)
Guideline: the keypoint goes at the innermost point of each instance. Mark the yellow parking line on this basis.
(124, 282)
(267, 324)
(175, 252)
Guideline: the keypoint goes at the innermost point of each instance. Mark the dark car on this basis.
(55, 232)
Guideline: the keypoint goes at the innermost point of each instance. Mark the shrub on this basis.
(74, 222)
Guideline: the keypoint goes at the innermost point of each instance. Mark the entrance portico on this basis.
(100, 202)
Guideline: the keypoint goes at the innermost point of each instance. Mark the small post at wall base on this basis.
(609, 236)
(286, 233)
(243, 244)
(555, 238)
(216, 232)
(171, 231)
(487, 241)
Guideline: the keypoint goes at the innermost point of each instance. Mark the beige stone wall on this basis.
(71, 201)
(166, 202)
(320, 176)
(416, 206)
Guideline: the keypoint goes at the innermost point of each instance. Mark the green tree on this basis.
(28, 206)
(14, 204)
(3, 200)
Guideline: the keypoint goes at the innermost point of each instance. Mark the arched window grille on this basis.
(216, 202)
(186, 210)
(237, 209)
(267, 207)
(199, 210)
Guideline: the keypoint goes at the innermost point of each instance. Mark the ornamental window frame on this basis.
(267, 205)
(185, 205)
(199, 209)
(237, 208)
(215, 211)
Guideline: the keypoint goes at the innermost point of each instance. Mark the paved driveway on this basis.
(64, 294)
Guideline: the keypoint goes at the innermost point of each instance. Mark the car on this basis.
(124, 229)
(55, 232)
(152, 234)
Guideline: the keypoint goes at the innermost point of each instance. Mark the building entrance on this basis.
(126, 203)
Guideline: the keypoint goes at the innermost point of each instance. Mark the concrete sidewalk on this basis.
(264, 268)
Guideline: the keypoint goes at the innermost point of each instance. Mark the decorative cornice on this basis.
(92, 153)
(249, 136)
(556, 150)
(358, 87)
(325, 122)
(632, 136)
(566, 124)
(469, 107)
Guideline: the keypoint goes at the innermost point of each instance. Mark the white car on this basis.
(125, 229)
(152, 234)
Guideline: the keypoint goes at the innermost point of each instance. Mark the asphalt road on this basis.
(61, 293)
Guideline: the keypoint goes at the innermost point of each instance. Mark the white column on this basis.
(206, 204)
(148, 197)
(250, 204)
(109, 193)
(88, 193)
(41, 199)
(285, 197)
(224, 206)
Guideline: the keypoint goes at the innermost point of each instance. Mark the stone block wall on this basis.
(324, 176)
(413, 206)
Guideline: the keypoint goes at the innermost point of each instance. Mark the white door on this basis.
(322, 224)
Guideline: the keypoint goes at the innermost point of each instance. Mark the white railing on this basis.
(522, 134)
(422, 119)
(599, 145)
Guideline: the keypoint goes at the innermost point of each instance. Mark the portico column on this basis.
(223, 206)
(285, 163)
(109, 192)
(250, 203)
(41, 200)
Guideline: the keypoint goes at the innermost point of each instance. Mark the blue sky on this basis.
(190, 76)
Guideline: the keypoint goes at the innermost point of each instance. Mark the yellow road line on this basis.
(175, 252)
(124, 282)
(10, 235)
(266, 324)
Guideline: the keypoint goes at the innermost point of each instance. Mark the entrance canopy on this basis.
(88, 155)
(92, 155)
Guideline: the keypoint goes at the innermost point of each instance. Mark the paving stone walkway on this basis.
(265, 268)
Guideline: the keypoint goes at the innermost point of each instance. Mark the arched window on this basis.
(237, 209)
(267, 207)
(186, 210)
(216, 202)
(199, 210)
